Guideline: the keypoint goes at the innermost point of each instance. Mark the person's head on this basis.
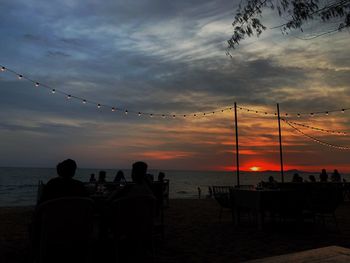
(138, 173)
(324, 171)
(66, 169)
(335, 171)
(271, 179)
(92, 176)
(120, 173)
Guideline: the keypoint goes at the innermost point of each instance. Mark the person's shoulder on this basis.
(54, 180)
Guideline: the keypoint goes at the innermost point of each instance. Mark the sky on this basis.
(166, 57)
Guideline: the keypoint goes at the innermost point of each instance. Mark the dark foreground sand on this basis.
(194, 233)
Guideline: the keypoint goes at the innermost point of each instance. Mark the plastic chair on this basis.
(64, 230)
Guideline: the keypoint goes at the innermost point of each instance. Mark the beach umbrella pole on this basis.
(280, 140)
(237, 150)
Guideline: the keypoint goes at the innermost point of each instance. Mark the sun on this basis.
(254, 168)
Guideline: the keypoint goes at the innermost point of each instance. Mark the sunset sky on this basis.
(166, 57)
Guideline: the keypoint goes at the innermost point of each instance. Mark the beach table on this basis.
(259, 201)
(329, 254)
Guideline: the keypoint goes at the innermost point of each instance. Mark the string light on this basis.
(317, 140)
(139, 114)
(99, 105)
(36, 83)
(113, 109)
(318, 129)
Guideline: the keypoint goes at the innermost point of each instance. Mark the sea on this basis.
(19, 186)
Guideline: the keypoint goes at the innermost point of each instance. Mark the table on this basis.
(261, 201)
(329, 254)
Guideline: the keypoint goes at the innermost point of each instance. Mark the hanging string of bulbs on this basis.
(167, 115)
(293, 114)
(318, 129)
(315, 139)
(112, 108)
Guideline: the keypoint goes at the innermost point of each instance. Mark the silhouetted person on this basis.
(101, 177)
(119, 178)
(199, 192)
(323, 176)
(161, 176)
(63, 185)
(335, 177)
(92, 178)
(312, 179)
(271, 184)
(297, 178)
(140, 184)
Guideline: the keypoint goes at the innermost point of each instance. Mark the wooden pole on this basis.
(237, 150)
(280, 139)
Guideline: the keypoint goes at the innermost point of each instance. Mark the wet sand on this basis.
(194, 233)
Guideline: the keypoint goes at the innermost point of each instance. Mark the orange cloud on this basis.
(165, 155)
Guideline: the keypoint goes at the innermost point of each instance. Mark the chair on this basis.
(132, 227)
(39, 193)
(224, 198)
(160, 190)
(64, 230)
(323, 202)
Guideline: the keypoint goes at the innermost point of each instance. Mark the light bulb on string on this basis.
(37, 84)
(84, 101)
(163, 116)
(184, 116)
(139, 114)
(222, 110)
(113, 109)
(20, 76)
(69, 97)
(151, 115)
(213, 112)
(311, 114)
(53, 91)
(326, 113)
(204, 113)
(126, 112)
(298, 115)
(99, 105)
(3, 69)
(343, 110)
(174, 116)
(195, 115)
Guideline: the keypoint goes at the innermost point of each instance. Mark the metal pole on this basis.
(280, 139)
(237, 151)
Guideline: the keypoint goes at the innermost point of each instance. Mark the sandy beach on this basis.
(194, 233)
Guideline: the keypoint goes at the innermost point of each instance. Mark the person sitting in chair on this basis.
(63, 185)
